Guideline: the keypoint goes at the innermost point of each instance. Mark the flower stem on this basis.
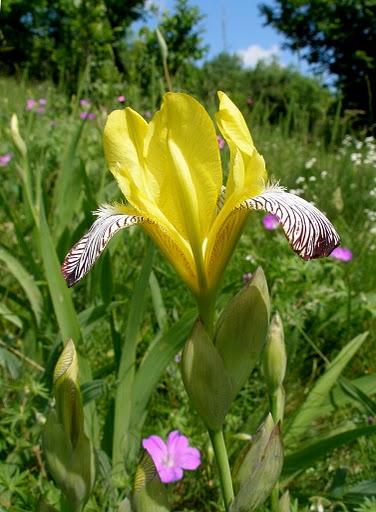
(218, 442)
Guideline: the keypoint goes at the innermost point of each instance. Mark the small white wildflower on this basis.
(312, 178)
(324, 174)
(358, 144)
(300, 179)
(296, 191)
(356, 158)
(310, 163)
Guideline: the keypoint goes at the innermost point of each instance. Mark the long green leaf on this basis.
(7, 314)
(60, 294)
(309, 454)
(311, 408)
(26, 281)
(123, 403)
(153, 366)
(68, 184)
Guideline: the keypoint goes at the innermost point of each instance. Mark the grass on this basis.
(323, 304)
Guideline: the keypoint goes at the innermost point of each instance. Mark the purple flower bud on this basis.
(42, 101)
(40, 110)
(84, 102)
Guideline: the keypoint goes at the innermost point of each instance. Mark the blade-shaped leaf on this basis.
(309, 454)
(26, 281)
(311, 407)
(153, 366)
(123, 405)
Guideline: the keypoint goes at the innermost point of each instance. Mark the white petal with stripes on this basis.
(87, 250)
(309, 232)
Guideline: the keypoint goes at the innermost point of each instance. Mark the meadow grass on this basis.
(323, 304)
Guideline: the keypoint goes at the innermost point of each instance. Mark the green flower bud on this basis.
(162, 44)
(68, 451)
(16, 136)
(275, 355)
(149, 493)
(205, 378)
(258, 468)
(242, 330)
(284, 502)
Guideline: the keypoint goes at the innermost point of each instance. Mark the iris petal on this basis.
(309, 232)
(87, 250)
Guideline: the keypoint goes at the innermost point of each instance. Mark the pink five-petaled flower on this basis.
(270, 222)
(172, 457)
(342, 254)
(5, 159)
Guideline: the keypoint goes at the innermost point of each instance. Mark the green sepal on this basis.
(149, 495)
(258, 468)
(242, 329)
(275, 358)
(205, 378)
(71, 466)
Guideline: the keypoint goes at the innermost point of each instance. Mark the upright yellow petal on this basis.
(182, 154)
(124, 140)
(247, 175)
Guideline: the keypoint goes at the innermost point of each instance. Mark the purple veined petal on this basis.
(309, 232)
(87, 250)
(170, 474)
(342, 254)
(156, 448)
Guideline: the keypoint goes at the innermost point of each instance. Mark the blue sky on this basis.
(237, 26)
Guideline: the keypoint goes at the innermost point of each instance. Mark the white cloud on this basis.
(254, 53)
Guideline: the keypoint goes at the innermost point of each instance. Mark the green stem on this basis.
(218, 442)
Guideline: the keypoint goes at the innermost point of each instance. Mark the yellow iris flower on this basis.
(170, 173)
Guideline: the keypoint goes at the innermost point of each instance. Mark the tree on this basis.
(182, 32)
(59, 38)
(340, 37)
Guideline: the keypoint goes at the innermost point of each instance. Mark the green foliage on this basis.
(59, 39)
(182, 33)
(339, 36)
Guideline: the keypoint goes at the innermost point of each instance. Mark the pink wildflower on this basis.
(5, 159)
(42, 102)
(221, 142)
(270, 222)
(85, 103)
(342, 254)
(40, 110)
(121, 99)
(171, 458)
(30, 104)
